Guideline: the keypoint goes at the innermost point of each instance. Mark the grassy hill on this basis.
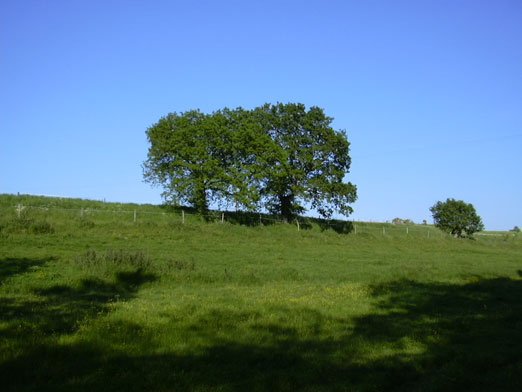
(106, 296)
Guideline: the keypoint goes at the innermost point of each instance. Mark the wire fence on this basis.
(172, 214)
(185, 216)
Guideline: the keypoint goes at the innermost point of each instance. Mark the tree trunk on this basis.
(199, 201)
(286, 204)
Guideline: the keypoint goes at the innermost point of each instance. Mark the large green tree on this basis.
(456, 217)
(307, 162)
(202, 158)
(281, 157)
(188, 157)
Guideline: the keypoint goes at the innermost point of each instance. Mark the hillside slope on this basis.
(94, 296)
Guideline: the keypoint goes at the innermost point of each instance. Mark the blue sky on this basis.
(429, 92)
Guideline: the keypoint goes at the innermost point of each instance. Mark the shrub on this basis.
(184, 265)
(23, 223)
(456, 217)
(41, 227)
(85, 223)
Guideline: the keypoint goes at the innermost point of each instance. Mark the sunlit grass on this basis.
(100, 303)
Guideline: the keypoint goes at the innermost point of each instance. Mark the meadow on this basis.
(119, 297)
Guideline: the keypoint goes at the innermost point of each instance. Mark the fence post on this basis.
(407, 230)
(298, 227)
(182, 217)
(19, 209)
(134, 216)
(222, 217)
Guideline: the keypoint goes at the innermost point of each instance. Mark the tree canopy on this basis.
(456, 217)
(283, 158)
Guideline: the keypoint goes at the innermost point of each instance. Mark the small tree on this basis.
(515, 229)
(456, 217)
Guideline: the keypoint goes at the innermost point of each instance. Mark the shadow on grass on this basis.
(250, 219)
(472, 333)
(254, 219)
(465, 337)
(339, 226)
(60, 310)
(16, 266)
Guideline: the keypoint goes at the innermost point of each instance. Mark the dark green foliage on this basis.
(456, 217)
(308, 162)
(186, 157)
(184, 265)
(85, 223)
(202, 158)
(281, 157)
(41, 227)
(23, 222)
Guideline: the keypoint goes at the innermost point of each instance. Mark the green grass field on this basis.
(91, 300)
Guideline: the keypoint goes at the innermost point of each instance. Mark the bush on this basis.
(42, 227)
(456, 217)
(184, 265)
(85, 223)
(22, 223)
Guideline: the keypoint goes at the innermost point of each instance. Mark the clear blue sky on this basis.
(429, 92)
